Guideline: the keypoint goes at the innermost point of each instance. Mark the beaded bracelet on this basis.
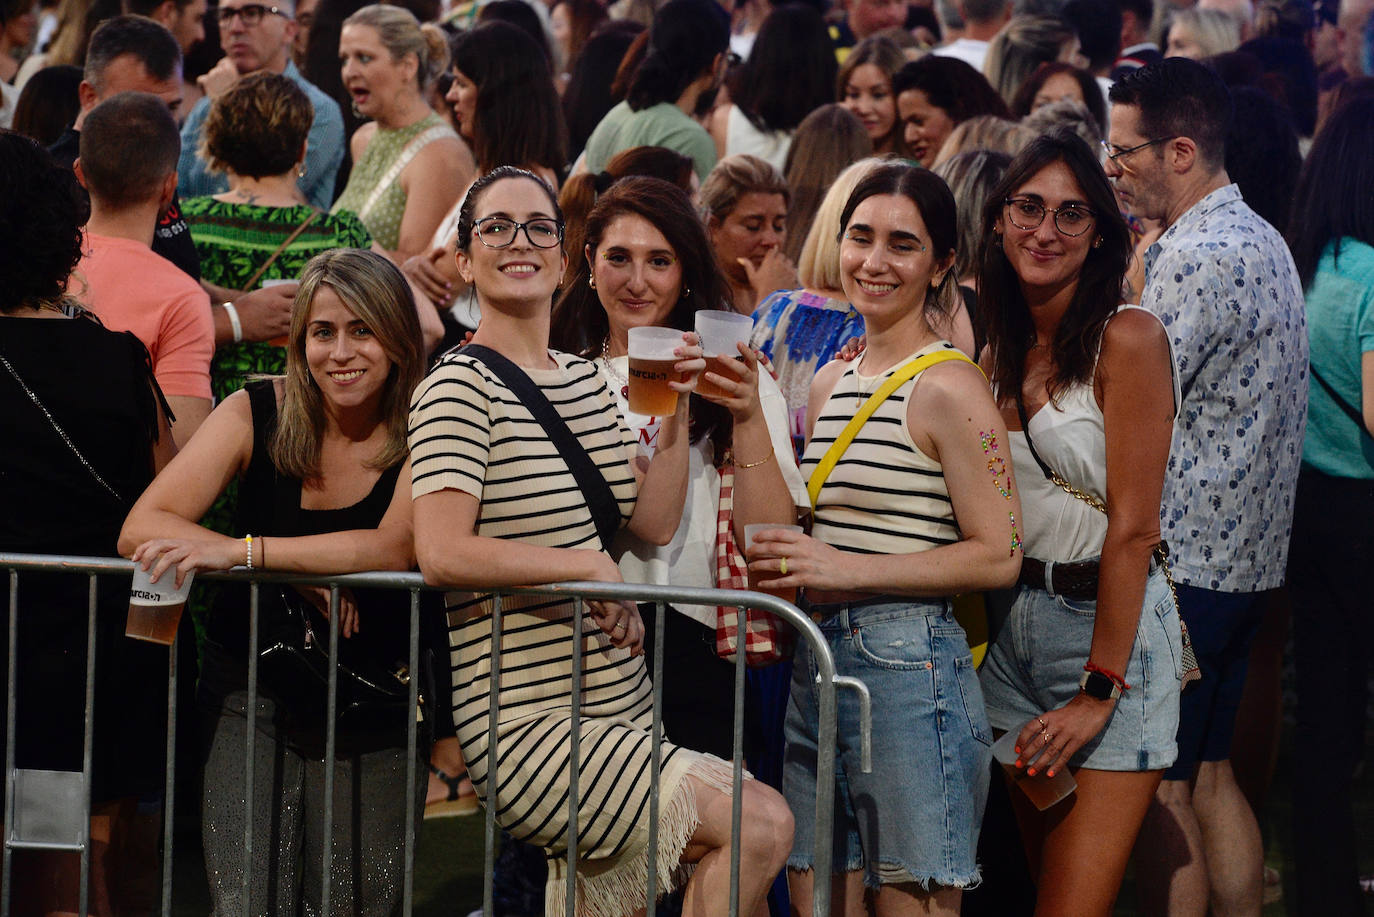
(1115, 678)
(248, 550)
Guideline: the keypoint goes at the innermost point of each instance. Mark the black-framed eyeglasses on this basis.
(1114, 153)
(500, 232)
(1027, 213)
(250, 13)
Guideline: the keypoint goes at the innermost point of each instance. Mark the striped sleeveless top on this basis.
(885, 496)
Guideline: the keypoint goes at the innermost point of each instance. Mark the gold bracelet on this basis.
(763, 461)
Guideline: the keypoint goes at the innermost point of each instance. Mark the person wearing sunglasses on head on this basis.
(258, 37)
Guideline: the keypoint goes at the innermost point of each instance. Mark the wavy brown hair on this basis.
(1006, 316)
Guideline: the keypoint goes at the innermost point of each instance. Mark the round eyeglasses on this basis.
(500, 232)
(250, 13)
(1025, 213)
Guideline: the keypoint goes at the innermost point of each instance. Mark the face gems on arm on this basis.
(997, 467)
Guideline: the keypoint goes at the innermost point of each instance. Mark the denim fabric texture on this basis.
(915, 817)
(1038, 660)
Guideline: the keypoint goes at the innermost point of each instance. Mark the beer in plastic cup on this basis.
(155, 608)
(1043, 790)
(720, 330)
(759, 582)
(652, 365)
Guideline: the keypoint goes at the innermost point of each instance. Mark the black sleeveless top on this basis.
(269, 503)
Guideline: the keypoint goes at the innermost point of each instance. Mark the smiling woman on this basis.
(321, 461)
(388, 62)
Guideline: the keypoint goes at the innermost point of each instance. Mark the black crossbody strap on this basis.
(602, 503)
(1355, 416)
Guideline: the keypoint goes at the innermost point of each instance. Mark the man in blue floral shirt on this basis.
(1224, 283)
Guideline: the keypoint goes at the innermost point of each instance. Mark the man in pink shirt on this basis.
(128, 163)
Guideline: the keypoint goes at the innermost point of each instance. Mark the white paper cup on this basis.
(155, 608)
(1043, 790)
(278, 282)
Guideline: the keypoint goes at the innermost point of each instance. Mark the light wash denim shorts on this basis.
(1038, 659)
(915, 818)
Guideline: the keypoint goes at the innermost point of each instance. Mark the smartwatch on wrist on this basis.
(1099, 686)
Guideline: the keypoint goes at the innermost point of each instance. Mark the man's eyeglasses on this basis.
(1114, 153)
(500, 232)
(250, 13)
(1028, 214)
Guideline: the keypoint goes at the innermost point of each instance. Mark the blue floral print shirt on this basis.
(1224, 284)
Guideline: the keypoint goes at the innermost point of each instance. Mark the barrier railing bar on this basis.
(330, 747)
(84, 905)
(580, 590)
(574, 755)
(865, 719)
(412, 740)
(489, 802)
(737, 762)
(656, 755)
(249, 744)
(169, 788)
(6, 887)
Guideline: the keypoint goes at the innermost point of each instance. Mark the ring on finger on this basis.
(782, 567)
(1041, 721)
(1049, 737)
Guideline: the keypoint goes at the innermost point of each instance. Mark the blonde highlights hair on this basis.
(735, 176)
(818, 268)
(401, 34)
(376, 292)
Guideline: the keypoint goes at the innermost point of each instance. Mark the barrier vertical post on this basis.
(169, 787)
(412, 739)
(493, 716)
(7, 887)
(656, 758)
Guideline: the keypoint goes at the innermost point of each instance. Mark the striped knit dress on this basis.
(469, 432)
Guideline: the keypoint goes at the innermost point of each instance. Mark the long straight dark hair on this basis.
(1332, 201)
(1006, 317)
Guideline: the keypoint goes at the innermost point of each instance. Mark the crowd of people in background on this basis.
(1060, 350)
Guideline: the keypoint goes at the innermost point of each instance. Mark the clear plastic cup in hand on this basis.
(759, 582)
(1043, 790)
(652, 367)
(721, 330)
(155, 608)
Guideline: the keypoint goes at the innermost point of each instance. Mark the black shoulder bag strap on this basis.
(1341, 403)
(600, 501)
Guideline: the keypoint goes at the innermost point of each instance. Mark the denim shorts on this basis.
(1038, 659)
(915, 817)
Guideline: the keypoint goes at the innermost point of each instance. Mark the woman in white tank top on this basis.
(1086, 669)
(908, 516)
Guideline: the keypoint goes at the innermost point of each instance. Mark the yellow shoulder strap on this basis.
(837, 448)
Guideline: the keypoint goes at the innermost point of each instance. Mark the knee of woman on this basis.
(766, 822)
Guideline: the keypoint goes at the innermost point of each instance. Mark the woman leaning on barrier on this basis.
(498, 504)
(320, 456)
(920, 506)
(85, 429)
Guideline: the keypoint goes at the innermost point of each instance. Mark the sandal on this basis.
(457, 803)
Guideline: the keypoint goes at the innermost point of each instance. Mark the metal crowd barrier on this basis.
(33, 821)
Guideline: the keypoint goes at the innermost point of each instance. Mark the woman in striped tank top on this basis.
(496, 504)
(920, 506)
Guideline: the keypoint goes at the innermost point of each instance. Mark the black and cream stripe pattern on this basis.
(885, 496)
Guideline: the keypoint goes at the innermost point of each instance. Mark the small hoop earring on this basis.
(300, 170)
(1097, 243)
(591, 281)
(686, 291)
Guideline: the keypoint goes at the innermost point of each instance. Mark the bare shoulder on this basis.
(1133, 334)
(953, 382)
(826, 377)
(361, 138)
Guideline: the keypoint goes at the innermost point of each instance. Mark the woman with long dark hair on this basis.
(1332, 239)
(789, 74)
(481, 525)
(906, 515)
(507, 110)
(647, 262)
(1086, 670)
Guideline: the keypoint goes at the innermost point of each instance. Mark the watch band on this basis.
(1099, 686)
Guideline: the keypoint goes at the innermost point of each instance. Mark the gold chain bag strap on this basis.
(1191, 670)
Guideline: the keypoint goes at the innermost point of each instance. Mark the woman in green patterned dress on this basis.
(389, 62)
(256, 134)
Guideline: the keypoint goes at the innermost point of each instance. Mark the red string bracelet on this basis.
(1116, 679)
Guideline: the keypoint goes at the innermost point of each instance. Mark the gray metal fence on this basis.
(51, 809)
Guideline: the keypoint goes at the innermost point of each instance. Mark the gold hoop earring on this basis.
(591, 281)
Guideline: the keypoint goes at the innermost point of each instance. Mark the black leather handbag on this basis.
(293, 667)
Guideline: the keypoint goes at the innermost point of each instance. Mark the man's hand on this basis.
(265, 314)
(219, 80)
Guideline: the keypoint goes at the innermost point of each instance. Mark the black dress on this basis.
(98, 386)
